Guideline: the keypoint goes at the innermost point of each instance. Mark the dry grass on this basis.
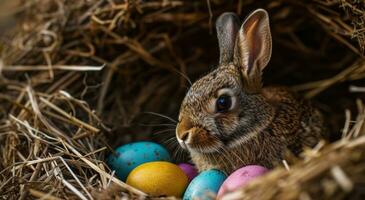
(79, 77)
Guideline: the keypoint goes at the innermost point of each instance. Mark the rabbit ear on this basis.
(227, 26)
(252, 50)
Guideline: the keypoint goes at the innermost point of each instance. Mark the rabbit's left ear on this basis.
(227, 26)
(252, 49)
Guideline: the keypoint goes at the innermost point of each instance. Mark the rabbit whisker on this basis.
(171, 140)
(178, 153)
(184, 76)
(181, 152)
(163, 131)
(156, 125)
(227, 155)
(162, 116)
(226, 158)
(234, 154)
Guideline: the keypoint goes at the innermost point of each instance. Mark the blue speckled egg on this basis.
(129, 156)
(205, 186)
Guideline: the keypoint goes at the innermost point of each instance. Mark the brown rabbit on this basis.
(228, 120)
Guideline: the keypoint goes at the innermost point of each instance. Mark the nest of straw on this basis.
(78, 78)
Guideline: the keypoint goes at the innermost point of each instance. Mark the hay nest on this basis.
(80, 77)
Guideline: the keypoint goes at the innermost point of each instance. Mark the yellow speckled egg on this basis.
(159, 178)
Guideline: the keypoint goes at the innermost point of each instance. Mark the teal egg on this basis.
(205, 185)
(129, 156)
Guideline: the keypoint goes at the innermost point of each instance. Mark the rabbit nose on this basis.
(184, 130)
(185, 136)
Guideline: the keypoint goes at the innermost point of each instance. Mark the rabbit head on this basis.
(226, 108)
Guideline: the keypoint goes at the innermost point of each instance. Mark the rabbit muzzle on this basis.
(192, 137)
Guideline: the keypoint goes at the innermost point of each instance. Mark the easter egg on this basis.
(159, 178)
(205, 186)
(189, 170)
(241, 177)
(129, 156)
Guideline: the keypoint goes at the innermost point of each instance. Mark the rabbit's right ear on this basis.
(227, 26)
(252, 50)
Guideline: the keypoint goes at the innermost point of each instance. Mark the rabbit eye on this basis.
(223, 103)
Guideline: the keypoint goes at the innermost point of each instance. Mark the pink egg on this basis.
(241, 177)
(189, 170)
